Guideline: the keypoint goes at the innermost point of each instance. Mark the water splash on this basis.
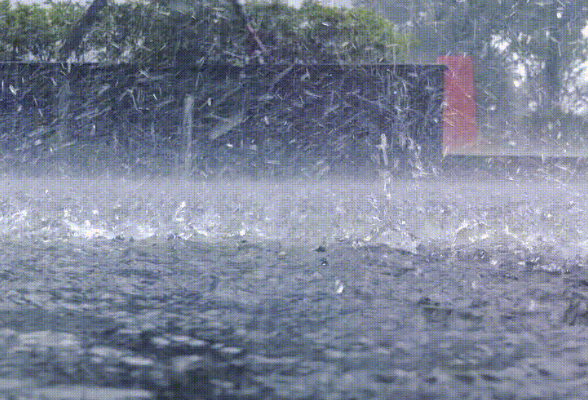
(402, 214)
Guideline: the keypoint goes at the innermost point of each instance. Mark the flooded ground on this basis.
(293, 289)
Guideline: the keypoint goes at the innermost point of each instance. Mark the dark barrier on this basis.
(202, 118)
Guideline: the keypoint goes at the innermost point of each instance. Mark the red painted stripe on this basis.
(460, 129)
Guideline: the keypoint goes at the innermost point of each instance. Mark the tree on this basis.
(522, 51)
(160, 33)
(82, 27)
(32, 32)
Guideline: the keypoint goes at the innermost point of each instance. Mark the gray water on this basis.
(330, 288)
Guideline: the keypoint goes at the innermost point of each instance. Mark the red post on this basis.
(460, 129)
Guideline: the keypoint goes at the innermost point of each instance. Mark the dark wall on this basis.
(267, 114)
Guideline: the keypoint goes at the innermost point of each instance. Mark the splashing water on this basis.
(402, 214)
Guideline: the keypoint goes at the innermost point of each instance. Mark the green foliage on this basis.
(32, 31)
(155, 34)
(331, 34)
(132, 32)
(203, 31)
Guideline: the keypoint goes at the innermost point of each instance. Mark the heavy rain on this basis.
(225, 200)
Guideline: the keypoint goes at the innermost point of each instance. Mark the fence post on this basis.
(63, 107)
(63, 101)
(187, 127)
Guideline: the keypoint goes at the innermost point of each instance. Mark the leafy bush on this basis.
(208, 31)
(32, 32)
(354, 35)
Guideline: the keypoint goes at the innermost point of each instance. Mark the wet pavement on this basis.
(328, 290)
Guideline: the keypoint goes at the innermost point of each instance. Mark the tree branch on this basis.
(82, 28)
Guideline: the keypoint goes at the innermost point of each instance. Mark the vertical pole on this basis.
(63, 102)
(187, 127)
(63, 107)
